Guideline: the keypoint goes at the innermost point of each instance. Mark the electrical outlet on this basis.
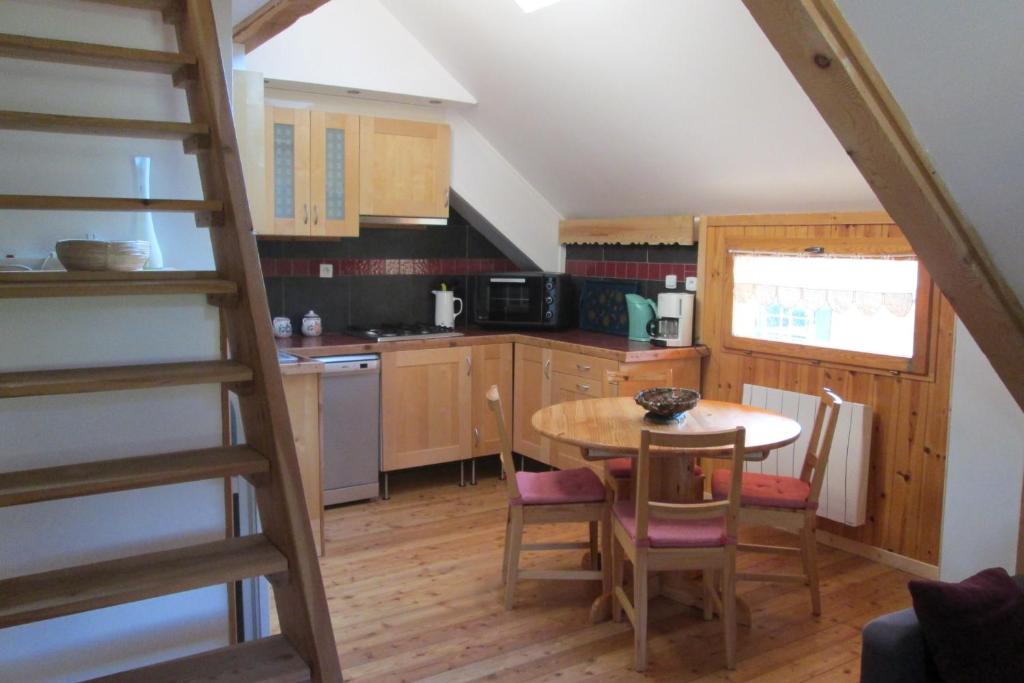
(691, 284)
(326, 270)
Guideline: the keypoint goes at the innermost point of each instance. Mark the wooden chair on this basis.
(788, 502)
(619, 471)
(657, 536)
(574, 495)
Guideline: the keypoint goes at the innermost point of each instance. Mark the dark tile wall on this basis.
(365, 290)
(645, 264)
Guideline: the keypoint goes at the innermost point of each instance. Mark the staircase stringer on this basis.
(300, 598)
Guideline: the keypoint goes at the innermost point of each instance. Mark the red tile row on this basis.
(630, 270)
(310, 267)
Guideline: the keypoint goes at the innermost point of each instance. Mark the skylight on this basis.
(534, 5)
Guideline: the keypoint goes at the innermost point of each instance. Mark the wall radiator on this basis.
(844, 495)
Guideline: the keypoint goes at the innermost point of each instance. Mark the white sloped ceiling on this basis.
(613, 107)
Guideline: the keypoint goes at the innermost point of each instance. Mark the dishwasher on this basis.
(351, 428)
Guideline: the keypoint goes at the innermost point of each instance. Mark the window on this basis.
(862, 302)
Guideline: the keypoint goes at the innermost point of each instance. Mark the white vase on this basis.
(144, 229)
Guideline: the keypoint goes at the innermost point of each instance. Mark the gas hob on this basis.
(404, 332)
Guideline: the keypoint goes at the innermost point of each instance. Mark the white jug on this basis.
(444, 307)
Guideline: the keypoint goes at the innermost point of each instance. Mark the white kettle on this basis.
(444, 307)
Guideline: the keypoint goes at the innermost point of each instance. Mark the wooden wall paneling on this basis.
(628, 230)
(909, 426)
(823, 53)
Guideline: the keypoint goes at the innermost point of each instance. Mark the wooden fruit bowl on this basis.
(103, 255)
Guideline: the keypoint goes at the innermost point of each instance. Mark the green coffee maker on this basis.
(641, 311)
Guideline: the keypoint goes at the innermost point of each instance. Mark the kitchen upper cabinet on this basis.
(287, 168)
(532, 391)
(405, 168)
(302, 394)
(492, 366)
(426, 407)
(312, 173)
(334, 174)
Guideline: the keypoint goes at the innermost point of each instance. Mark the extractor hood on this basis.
(400, 222)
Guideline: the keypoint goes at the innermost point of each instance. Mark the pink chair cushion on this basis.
(673, 533)
(579, 485)
(763, 490)
(621, 468)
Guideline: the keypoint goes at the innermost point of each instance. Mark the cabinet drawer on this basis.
(571, 387)
(579, 365)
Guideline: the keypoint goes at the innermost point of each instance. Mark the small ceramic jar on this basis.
(282, 327)
(311, 326)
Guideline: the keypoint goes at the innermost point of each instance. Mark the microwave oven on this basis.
(531, 299)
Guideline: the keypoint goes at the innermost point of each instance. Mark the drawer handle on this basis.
(583, 387)
(547, 369)
(582, 368)
(469, 366)
(476, 436)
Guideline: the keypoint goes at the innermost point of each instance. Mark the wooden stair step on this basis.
(117, 378)
(95, 125)
(107, 476)
(267, 660)
(204, 209)
(49, 284)
(36, 597)
(91, 54)
(158, 5)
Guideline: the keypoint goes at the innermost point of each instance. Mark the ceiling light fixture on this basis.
(534, 5)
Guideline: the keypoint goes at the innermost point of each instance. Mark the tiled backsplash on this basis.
(646, 264)
(363, 290)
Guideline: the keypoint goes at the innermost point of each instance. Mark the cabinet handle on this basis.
(583, 387)
(469, 365)
(446, 198)
(305, 214)
(547, 369)
(476, 436)
(582, 368)
(316, 215)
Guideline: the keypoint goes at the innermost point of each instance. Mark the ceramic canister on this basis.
(311, 325)
(282, 327)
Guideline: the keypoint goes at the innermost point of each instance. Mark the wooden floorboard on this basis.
(414, 593)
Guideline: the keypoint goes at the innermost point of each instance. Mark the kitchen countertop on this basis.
(576, 341)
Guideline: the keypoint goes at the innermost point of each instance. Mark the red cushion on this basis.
(673, 533)
(763, 490)
(621, 468)
(579, 485)
(974, 629)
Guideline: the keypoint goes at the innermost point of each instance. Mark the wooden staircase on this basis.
(284, 552)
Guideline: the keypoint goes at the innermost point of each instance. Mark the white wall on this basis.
(984, 468)
(356, 44)
(46, 431)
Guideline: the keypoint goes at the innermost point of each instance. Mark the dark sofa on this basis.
(894, 649)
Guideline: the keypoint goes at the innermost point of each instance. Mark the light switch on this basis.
(691, 284)
(326, 270)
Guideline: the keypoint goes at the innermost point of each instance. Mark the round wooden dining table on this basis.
(605, 428)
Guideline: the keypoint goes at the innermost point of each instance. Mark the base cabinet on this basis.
(492, 366)
(302, 393)
(426, 407)
(531, 392)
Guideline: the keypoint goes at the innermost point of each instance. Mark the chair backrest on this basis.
(630, 382)
(494, 403)
(729, 508)
(820, 444)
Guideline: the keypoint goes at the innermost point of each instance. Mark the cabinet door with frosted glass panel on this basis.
(334, 174)
(287, 146)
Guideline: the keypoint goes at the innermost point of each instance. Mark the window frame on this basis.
(917, 364)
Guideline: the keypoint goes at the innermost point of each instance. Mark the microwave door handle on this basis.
(508, 280)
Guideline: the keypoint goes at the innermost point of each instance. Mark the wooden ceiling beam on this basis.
(823, 53)
(270, 19)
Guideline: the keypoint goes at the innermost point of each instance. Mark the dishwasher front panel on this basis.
(351, 424)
